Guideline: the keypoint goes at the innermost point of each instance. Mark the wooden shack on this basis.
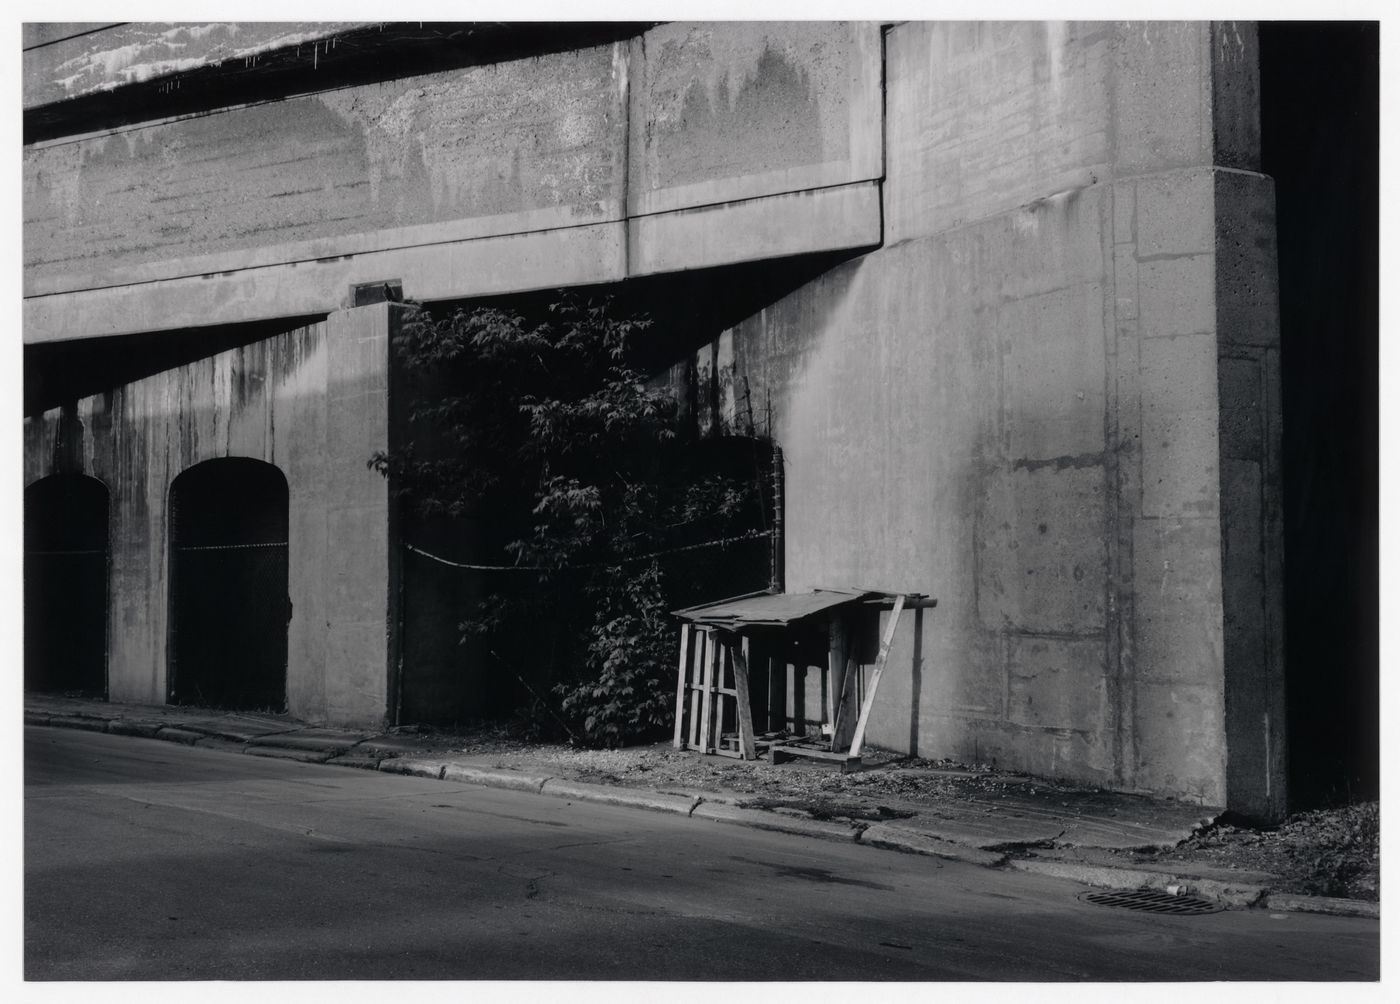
(735, 659)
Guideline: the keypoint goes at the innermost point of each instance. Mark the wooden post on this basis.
(698, 657)
(744, 715)
(859, 739)
(835, 671)
(677, 740)
(707, 689)
(777, 686)
(849, 705)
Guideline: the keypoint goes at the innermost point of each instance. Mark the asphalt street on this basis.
(148, 860)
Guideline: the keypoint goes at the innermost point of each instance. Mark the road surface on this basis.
(147, 860)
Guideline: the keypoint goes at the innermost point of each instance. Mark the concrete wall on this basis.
(569, 168)
(1048, 401)
(313, 402)
(527, 145)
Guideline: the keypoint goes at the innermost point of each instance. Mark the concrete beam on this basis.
(828, 219)
(753, 230)
(519, 262)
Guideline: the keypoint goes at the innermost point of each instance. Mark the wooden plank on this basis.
(835, 636)
(695, 677)
(848, 707)
(782, 754)
(858, 739)
(915, 602)
(744, 714)
(777, 688)
(677, 741)
(707, 686)
(732, 754)
(837, 679)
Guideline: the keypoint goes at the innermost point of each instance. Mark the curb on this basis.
(1287, 903)
(78, 722)
(177, 735)
(278, 753)
(1104, 877)
(511, 780)
(897, 838)
(414, 767)
(758, 819)
(696, 805)
(634, 797)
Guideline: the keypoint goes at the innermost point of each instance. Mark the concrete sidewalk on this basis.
(1028, 825)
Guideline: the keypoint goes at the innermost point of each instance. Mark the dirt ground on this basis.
(1331, 852)
(1326, 852)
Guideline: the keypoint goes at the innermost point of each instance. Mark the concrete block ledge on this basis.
(1285, 903)
(898, 838)
(1235, 896)
(128, 727)
(636, 798)
(514, 780)
(761, 820)
(34, 718)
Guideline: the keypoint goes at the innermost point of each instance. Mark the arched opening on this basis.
(65, 585)
(229, 606)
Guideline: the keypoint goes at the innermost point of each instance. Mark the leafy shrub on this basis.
(543, 431)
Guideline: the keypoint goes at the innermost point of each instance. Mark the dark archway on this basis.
(65, 585)
(228, 586)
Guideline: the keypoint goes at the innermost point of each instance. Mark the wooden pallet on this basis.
(706, 654)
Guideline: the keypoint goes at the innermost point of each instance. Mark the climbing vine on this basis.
(587, 481)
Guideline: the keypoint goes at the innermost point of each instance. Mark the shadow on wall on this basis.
(1320, 118)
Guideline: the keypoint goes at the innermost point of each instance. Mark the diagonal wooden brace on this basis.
(859, 738)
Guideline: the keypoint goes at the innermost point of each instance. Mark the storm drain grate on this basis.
(1151, 901)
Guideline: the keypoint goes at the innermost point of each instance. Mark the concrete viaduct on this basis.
(1036, 374)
